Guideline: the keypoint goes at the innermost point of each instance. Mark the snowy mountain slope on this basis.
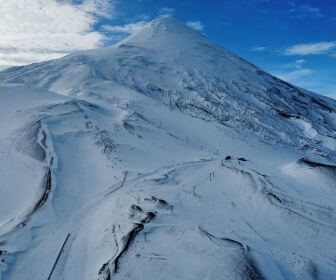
(164, 157)
(180, 67)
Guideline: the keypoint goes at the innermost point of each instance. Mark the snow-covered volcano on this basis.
(164, 156)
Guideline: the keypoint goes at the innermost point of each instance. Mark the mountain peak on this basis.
(169, 24)
(165, 20)
(166, 30)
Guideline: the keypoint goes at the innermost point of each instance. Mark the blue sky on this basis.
(264, 32)
(295, 40)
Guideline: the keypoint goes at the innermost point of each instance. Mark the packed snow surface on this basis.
(164, 156)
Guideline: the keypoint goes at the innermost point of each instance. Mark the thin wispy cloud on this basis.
(332, 95)
(259, 49)
(196, 25)
(310, 49)
(167, 11)
(299, 62)
(127, 28)
(304, 10)
(296, 72)
(294, 76)
(32, 31)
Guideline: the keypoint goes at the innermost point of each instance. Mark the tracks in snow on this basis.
(58, 257)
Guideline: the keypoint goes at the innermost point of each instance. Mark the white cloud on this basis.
(167, 11)
(332, 95)
(299, 63)
(259, 49)
(196, 25)
(127, 28)
(308, 49)
(3, 67)
(304, 10)
(295, 75)
(32, 30)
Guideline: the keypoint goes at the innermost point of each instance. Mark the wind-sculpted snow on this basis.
(161, 159)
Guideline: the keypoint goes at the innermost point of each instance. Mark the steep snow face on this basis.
(151, 159)
(180, 67)
(125, 188)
